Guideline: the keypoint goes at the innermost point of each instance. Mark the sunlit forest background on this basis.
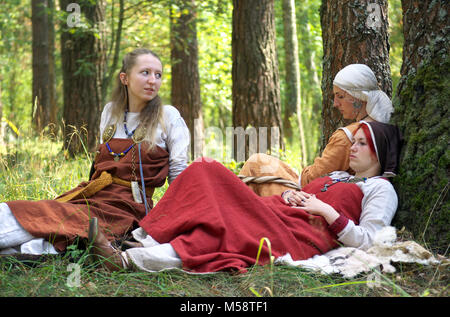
(147, 24)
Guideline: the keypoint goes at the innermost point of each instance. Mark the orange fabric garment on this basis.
(62, 222)
(266, 165)
(335, 156)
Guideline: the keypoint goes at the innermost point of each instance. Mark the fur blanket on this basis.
(349, 262)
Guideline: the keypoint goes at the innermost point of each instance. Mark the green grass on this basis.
(36, 168)
(55, 277)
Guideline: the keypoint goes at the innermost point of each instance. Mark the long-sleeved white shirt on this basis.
(378, 205)
(175, 138)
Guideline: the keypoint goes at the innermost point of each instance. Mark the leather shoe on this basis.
(103, 251)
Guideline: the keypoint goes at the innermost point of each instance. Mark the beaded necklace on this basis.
(345, 179)
(117, 156)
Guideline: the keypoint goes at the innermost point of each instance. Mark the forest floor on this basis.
(74, 274)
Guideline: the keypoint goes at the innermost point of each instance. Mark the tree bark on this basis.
(41, 95)
(51, 65)
(293, 102)
(185, 93)
(255, 76)
(83, 59)
(353, 31)
(422, 112)
(113, 50)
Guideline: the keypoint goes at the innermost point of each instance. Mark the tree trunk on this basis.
(353, 31)
(256, 83)
(185, 93)
(293, 97)
(83, 58)
(422, 112)
(41, 94)
(51, 65)
(113, 52)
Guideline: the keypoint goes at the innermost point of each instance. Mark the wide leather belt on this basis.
(94, 186)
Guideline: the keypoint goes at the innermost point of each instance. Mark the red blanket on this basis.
(215, 222)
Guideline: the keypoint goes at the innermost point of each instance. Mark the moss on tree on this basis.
(422, 113)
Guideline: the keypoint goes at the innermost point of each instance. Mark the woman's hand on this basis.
(295, 198)
(311, 204)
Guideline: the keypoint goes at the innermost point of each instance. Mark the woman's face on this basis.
(362, 159)
(344, 103)
(143, 80)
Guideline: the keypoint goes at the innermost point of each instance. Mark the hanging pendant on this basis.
(116, 158)
(136, 192)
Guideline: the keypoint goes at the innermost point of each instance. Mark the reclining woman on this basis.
(357, 97)
(139, 136)
(209, 220)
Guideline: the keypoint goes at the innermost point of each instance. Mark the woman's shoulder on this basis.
(107, 107)
(378, 185)
(347, 130)
(171, 112)
(106, 114)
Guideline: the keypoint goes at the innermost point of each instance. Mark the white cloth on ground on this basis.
(15, 239)
(153, 257)
(349, 262)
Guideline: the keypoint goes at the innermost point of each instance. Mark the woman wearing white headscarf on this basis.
(358, 97)
(358, 83)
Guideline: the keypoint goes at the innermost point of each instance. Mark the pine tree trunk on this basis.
(293, 102)
(256, 82)
(114, 50)
(185, 76)
(51, 65)
(41, 72)
(83, 58)
(353, 32)
(422, 112)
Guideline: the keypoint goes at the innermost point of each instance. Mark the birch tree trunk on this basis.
(293, 102)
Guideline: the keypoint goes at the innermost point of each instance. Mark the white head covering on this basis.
(359, 81)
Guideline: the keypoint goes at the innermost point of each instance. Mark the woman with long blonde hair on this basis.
(142, 144)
